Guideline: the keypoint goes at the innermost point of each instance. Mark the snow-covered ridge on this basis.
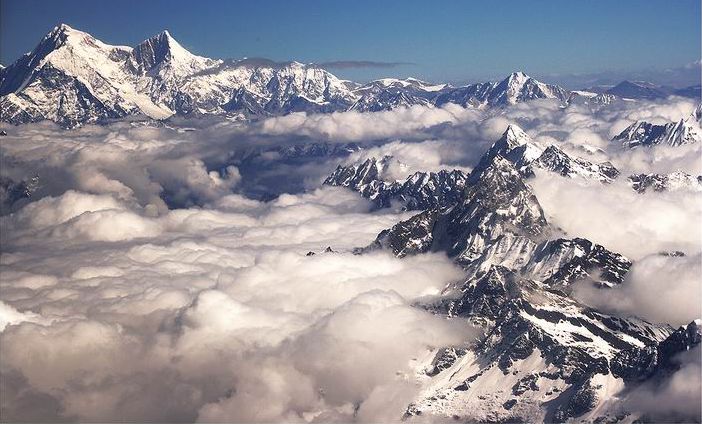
(642, 133)
(73, 78)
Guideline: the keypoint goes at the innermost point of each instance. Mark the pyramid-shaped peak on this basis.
(58, 36)
(515, 135)
(518, 75)
(518, 78)
(62, 28)
(166, 37)
(159, 49)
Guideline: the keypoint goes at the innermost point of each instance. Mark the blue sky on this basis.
(451, 40)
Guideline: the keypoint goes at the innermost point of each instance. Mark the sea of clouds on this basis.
(160, 272)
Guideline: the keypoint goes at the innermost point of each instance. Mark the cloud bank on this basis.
(150, 286)
(212, 314)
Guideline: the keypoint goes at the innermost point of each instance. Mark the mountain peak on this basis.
(56, 38)
(166, 38)
(518, 75)
(515, 136)
(160, 49)
(516, 79)
(62, 28)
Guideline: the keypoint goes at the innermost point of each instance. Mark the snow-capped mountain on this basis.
(498, 221)
(72, 78)
(387, 99)
(544, 356)
(556, 160)
(423, 190)
(517, 87)
(642, 133)
(525, 154)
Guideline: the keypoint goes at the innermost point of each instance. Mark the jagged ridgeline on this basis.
(425, 190)
(544, 356)
(72, 78)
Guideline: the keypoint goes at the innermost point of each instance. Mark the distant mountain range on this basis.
(72, 78)
(647, 90)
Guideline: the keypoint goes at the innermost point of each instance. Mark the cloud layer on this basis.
(142, 282)
(214, 314)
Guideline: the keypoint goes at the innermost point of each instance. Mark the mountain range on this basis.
(72, 78)
(543, 356)
(423, 190)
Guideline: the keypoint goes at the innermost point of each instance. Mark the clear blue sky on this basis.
(452, 40)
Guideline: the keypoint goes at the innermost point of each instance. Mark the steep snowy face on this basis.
(540, 348)
(519, 87)
(496, 202)
(642, 133)
(72, 78)
(555, 160)
(360, 177)
(163, 55)
(166, 63)
(516, 146)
